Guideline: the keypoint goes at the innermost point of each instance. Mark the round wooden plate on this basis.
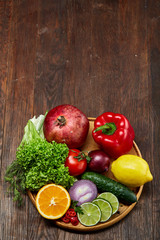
(123, 209)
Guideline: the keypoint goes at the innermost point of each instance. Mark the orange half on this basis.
(52, 201)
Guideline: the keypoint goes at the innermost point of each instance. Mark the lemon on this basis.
(131, 170)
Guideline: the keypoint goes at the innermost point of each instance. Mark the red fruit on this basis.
(75, 162)
(66, 124)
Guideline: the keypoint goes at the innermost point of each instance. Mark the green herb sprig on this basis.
(78, 209)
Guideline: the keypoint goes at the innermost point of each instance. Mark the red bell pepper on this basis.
(113, 133)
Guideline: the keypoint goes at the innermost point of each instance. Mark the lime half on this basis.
(105, 208)
(112, 199)
(91, 214)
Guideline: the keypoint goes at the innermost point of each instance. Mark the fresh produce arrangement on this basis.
(72, 186)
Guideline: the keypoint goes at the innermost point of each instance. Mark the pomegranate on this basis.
(66, 124)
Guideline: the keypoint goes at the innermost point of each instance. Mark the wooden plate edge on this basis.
(101, 226)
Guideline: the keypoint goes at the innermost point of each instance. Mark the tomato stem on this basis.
(82, 156)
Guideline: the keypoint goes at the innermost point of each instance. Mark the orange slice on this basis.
(52, 201)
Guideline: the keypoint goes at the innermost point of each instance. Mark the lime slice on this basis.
(91, 214)
(112, 199)
(105, 208)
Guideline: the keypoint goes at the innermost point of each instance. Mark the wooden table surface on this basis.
(99, 55)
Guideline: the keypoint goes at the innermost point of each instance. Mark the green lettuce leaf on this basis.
(34, 129)
(38, 123)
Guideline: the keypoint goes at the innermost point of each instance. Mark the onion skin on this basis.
(83, 191)
(99, 162)
(66, 124)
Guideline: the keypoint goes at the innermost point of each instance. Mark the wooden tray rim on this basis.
(99, 226)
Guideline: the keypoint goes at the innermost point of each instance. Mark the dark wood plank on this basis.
(97, 55)
(154, 72)
(135, 102)
(50, 60)
(5, 14)
(19, 107)
(90, 39)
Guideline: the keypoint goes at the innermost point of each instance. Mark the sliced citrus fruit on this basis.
(105, 208)
(91, 214)
(52, 201)
(112, 199)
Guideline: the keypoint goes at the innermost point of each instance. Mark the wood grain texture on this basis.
(154, 74)
(99, 56)
(5, 13)
(19, 105)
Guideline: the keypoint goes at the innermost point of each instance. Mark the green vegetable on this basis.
(105, 184)
(37, 163)
(16, 178)
(38, 123)
(43, 163)
(33, 129)
(77, 209)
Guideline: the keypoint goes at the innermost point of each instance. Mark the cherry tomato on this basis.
(76, 162)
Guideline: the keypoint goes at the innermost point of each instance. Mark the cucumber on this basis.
(105, 184)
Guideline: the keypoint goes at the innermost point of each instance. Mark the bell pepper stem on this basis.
(107, 128)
